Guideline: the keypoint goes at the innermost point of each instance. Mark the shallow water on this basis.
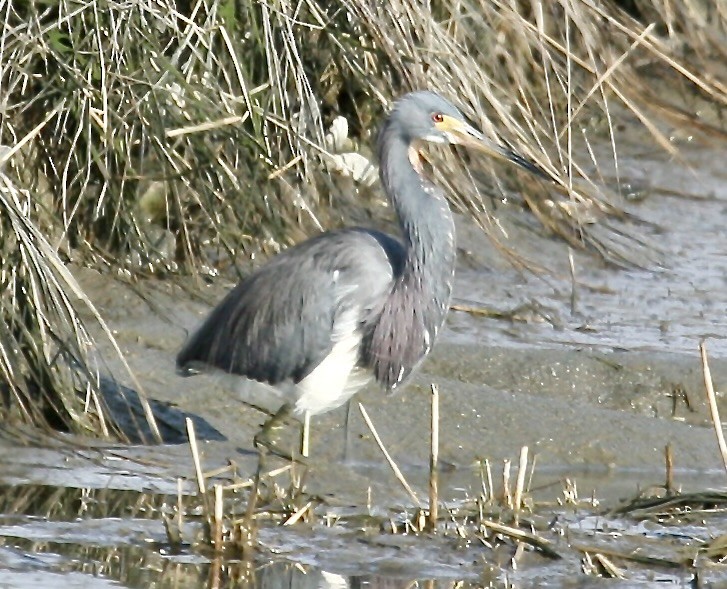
(596, 392)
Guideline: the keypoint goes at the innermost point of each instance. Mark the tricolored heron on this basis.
(329, 314)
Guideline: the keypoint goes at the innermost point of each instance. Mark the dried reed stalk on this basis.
(433, 461)
(395, 469)
(713, 409)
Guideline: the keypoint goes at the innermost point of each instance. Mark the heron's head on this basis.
(426, 116)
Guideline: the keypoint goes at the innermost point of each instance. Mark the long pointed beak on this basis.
(465, 134)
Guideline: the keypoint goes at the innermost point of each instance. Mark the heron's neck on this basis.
(414, 311)
(425, 218)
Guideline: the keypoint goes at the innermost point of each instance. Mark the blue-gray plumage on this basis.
(330, 313)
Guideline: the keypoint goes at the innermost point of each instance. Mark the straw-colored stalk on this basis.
(433, 461)
(713, 409)
(395, 469)
(520, 481)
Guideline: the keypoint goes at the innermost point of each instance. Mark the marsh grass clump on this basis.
(46, 374)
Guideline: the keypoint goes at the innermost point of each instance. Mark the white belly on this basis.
(329, 386)
(333, 382)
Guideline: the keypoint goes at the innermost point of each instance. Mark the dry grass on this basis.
(43, 343)
(158, 138)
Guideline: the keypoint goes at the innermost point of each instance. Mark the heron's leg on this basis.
(269, 435)
(347, 431)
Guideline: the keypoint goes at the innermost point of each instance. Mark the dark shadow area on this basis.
(124, 405)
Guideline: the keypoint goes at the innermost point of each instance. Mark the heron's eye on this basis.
(438, 117)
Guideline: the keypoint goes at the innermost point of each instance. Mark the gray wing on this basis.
(277, 324)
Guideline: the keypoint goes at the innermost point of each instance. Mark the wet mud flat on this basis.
(596, 390)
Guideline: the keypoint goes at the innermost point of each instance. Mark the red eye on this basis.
(438, 117)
